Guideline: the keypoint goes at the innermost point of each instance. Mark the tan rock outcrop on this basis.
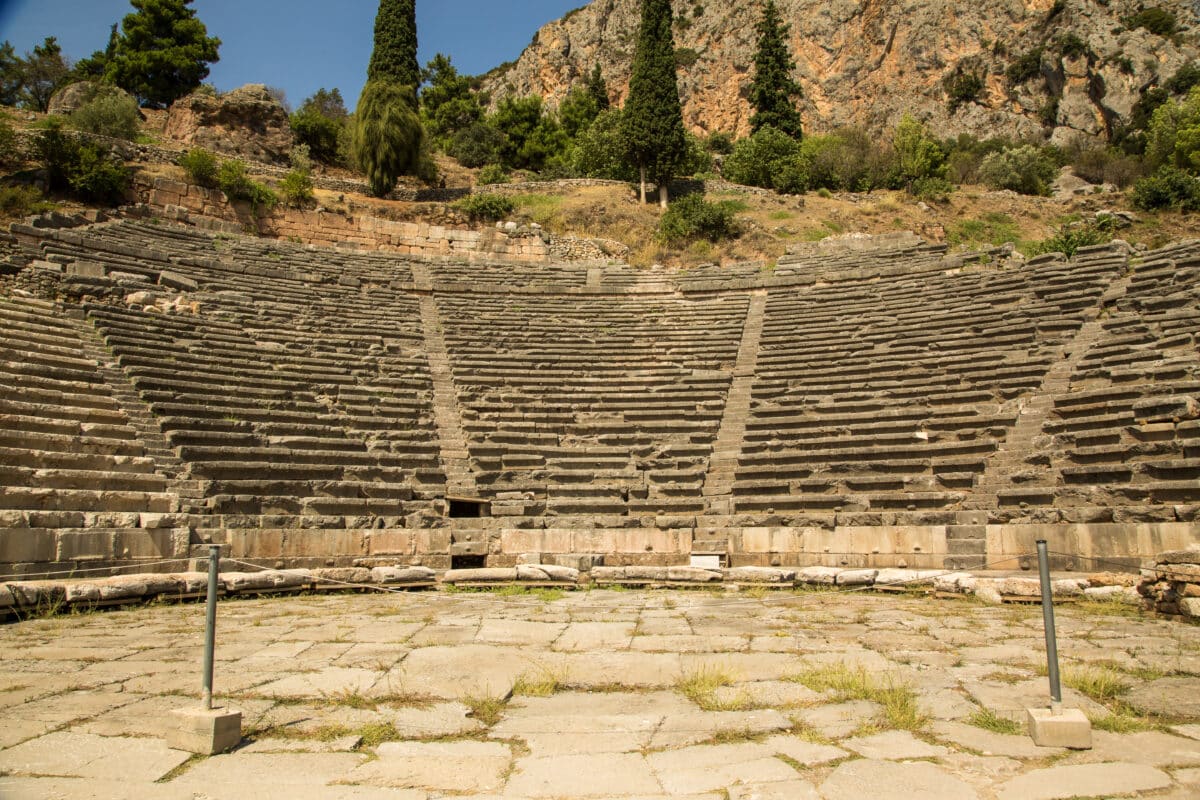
(245, 123)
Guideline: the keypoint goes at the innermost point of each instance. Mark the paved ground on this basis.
(599, 694)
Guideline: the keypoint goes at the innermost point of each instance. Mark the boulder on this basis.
(246, 123)
(71, 97)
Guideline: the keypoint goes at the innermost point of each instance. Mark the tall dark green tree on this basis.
(394, 58)
(598, 89)
(387, 135)
(447, 103)
(163, 52)
(655, 142)
(773, 88)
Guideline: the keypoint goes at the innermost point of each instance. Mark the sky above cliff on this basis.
(298, 45)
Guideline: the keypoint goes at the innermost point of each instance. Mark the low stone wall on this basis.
(1172, 587)
(207, 207)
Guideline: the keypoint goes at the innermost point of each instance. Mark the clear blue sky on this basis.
(299, 45)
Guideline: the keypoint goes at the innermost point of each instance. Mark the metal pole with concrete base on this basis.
(1055, 726)
(207, 730)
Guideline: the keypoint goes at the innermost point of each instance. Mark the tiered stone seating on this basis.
(285, 392)
(608, 407)
(1126, 436)
(889, 390)
(76, 480)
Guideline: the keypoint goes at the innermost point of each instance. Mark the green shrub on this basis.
(109, 113)
(98, 177)
(1026, 67)
(1184, 79)
(492, 174)
(1169, 187)
(720, 143)
(58, 154)
(692, 218)
(1069, 239)
(8, 143)
(600, 151)
(962, 86)
(1106, 165)
(1072, 46)
(477, 145)
(847, 160)
(296, 189)
(200, 167)
(1023, 169)
(932, 189)
(1158, 21)
(486, 207)
(22, 201)
(233, 180)
(758, 159)
(918, 156)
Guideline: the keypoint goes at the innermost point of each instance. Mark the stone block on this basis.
(391, 542)
(205, 731)
(433, 540)
(18, 546)
(402, 575)
(83, 545)
(1068, 728)
(818, 575)
(513, 540)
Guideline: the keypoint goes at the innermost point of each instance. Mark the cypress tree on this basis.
(653, 120)
(598, 89)
(394, 59)
(773, 87)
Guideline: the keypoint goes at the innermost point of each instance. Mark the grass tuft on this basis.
(542, 684)
(487, 709)
(1101, 683)
(701, 684)
(991, 721)
(844, 682)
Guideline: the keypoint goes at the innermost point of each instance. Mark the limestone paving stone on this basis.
(1084, 780)
(893, 746)
(322, 683)
(252, 773)
(697, 726)
(434, 721)
(1170, 697)
(84, 755)
(342, 744)
(603, 775)
(1154, 748)
(783, 790)
(583, 636)
(767, 694)
(838, 720)
(518, 632)
(474, 669)
(713, 767)
(887, 780)
(989, 743)
(465, 766)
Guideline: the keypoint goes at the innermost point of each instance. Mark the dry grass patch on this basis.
(541, 684)
(844, 682)
(486, 708)
(701, 684)
(991, 721)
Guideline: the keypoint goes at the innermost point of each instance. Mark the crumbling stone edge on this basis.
(33, 597)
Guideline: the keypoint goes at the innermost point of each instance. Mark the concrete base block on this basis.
(1069, 727)
(207, 732)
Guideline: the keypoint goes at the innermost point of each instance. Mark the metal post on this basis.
(1048, 621)
(210, 629)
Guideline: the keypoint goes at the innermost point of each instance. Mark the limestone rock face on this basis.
(246, 123)
(69, 98)
(867, 62)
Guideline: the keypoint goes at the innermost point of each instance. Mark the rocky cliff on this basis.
(1080, 64)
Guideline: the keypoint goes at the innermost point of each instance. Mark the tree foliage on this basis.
(598, 89)
(1173, 139)
(109, 112)
(320, 123)
(387, 134)
(94, 67)
(773, 88)
(394, 59)
(41, 73)
(531, 136)
(654, 136)
(577, 110)
(163, 52)
(447, 103)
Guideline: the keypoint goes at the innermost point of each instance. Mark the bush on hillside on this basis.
(1023, 169)
(476, 146)
(759, 159)
(296, 189)
(235, 182)
(486, 207)
(691, 218)
(491, 175)
(97, 176)
(108, 113)
(200, 166)
(8, 143)
(1169, 188)
(1158, 21)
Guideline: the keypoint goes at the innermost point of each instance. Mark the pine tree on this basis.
(654, 138)
(163, 53)
(773, 87)
(598, 89)
(394, 58)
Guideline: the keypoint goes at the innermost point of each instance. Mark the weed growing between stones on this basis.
(991, 721)
(1123, 721)
(701, 684)
(487, 709)
(1101, 683)
(376, 733)
(844, 682)
(543, 684)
